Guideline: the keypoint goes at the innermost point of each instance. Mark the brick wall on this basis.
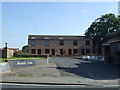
(40, 40)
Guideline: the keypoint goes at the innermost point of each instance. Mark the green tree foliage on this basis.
(25, 49)
(101, 27)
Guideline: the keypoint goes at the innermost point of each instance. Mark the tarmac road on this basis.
(70, 70)
(81, 68)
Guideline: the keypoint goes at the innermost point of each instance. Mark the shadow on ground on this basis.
(94, 70)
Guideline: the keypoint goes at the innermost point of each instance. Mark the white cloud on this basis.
(85, 11)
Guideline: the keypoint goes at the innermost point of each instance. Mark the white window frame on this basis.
(33, 37)
(60, 37)
(47, 38)
(33, 43)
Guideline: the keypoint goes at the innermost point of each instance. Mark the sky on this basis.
(20, 19)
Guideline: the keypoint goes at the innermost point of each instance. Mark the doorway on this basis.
(82, 51)
(53, 51)
(61, 51)
(69, 51)
(39, 51)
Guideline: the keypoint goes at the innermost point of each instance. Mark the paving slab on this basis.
(4, 68)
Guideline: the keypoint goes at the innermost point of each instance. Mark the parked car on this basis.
(94, 58)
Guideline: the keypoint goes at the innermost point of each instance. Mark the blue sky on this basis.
(21, 19)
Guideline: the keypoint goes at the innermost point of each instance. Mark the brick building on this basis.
(7, 52)
(59, 45)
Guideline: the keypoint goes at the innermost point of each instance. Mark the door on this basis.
(53, 51)
(61, 51)
(39, 51)
(82, 51)
(69, 52)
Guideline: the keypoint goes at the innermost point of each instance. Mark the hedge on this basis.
(30, 56)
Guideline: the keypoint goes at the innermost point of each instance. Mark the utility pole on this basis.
(5, 50)
(5, 45)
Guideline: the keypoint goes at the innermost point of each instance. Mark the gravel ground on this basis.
(49, 70)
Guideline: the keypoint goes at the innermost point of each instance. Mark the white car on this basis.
(94, 58)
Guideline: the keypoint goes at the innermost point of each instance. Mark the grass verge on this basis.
(14, 58)
(2, 60)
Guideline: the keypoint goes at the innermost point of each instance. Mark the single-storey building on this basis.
(7, 52)
(111, 47)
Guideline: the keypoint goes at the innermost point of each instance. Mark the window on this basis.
(47, 43)
(33, 37)
(33, 42)
(33, 51)
(60, 37)
(75, 42)
(47, 51)
(47, 38)
(87, 43)
(39, 51)
(61, 43)
(75, 51)
(87, 51)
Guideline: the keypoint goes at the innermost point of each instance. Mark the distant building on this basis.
(111, 47)
(59, 45)
(7, 52)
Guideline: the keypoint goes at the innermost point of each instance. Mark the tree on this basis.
(25, 49)
(101, 27)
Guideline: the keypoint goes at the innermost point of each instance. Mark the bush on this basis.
(76, 54)
(89, 54)
(30, 56)
(20, 53)
(118, 53)
(109, 59)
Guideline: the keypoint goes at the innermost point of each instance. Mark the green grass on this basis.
(14, 58)
(25, 58)
(2, 60)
